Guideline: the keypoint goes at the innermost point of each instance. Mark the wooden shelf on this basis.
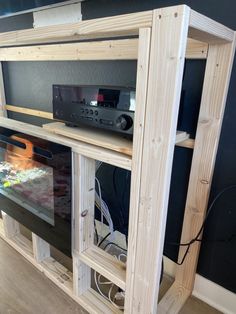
(95, 137)
(105, 264)
(96, 304)
(91, 151)
(101, 138)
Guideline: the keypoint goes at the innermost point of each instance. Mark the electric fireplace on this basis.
(35, 186)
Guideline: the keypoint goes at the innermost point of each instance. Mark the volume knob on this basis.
(124, 122)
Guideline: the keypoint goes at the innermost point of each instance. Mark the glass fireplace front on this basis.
(35, 186)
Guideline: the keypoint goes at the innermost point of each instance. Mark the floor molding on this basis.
(209, 292)
(215, 295)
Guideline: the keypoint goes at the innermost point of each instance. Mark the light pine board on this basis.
(219, 65)
(102, 27)
(3, 112)
(168, 46)
(83, 219)
(91, 151)
(125, 49)
(99, 138)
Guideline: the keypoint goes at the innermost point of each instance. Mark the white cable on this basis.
(99, 290)
(100, 197)
(112, 301)
(98, 281)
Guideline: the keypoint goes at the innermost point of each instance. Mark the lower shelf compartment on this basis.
(60, 275)
(105, 264)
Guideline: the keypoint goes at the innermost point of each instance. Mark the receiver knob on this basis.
(124, 122)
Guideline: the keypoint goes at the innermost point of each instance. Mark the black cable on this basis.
(112, 243)
(96, 231)
(101, 242)
(196, 238)
(116, 194)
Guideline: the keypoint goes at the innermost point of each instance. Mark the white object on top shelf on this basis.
(70, 13)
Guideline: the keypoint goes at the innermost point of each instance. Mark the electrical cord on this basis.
(196, 238)
(97, 278)
(104, 239)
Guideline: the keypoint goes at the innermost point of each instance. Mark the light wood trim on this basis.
(181, 137)
(11, 226)
(188, 143)
(139, 124)
(83, 219)
(207, 30)
(124, 49)
(126, 24)
(173, 300)
(168, 46)
(196, 49)
(94, 303)
(31, 112)
(105, 264)
(3, 112)
(41, 248)
(105, 155)
(99, 138)
(219, 65)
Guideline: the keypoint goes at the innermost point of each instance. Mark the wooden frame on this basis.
(161, 47)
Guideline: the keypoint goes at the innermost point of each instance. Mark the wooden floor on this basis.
(24, 290)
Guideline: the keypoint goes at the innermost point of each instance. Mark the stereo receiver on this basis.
(110, 108)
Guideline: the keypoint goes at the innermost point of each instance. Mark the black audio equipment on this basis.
(110, 108)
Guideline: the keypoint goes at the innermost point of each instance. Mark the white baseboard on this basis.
(215, 295)
(209, 292)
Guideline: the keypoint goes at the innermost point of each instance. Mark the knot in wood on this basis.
(204, 181)
(84, 213)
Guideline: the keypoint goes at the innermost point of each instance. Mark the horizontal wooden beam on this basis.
(126, 24)
(182, 139)
(196, 49)
(105, 264)
(100, 138)
(207, 30)
(85, 149)
(31, 112)
(188, 143)
(123, 49)
(174, 299)
(95, 303)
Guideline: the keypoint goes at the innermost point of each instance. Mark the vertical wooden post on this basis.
(83, 218)
(217, 76)
(140, 111)
(41, 248)
(168, 46)
(3, 112)
(10, 225)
